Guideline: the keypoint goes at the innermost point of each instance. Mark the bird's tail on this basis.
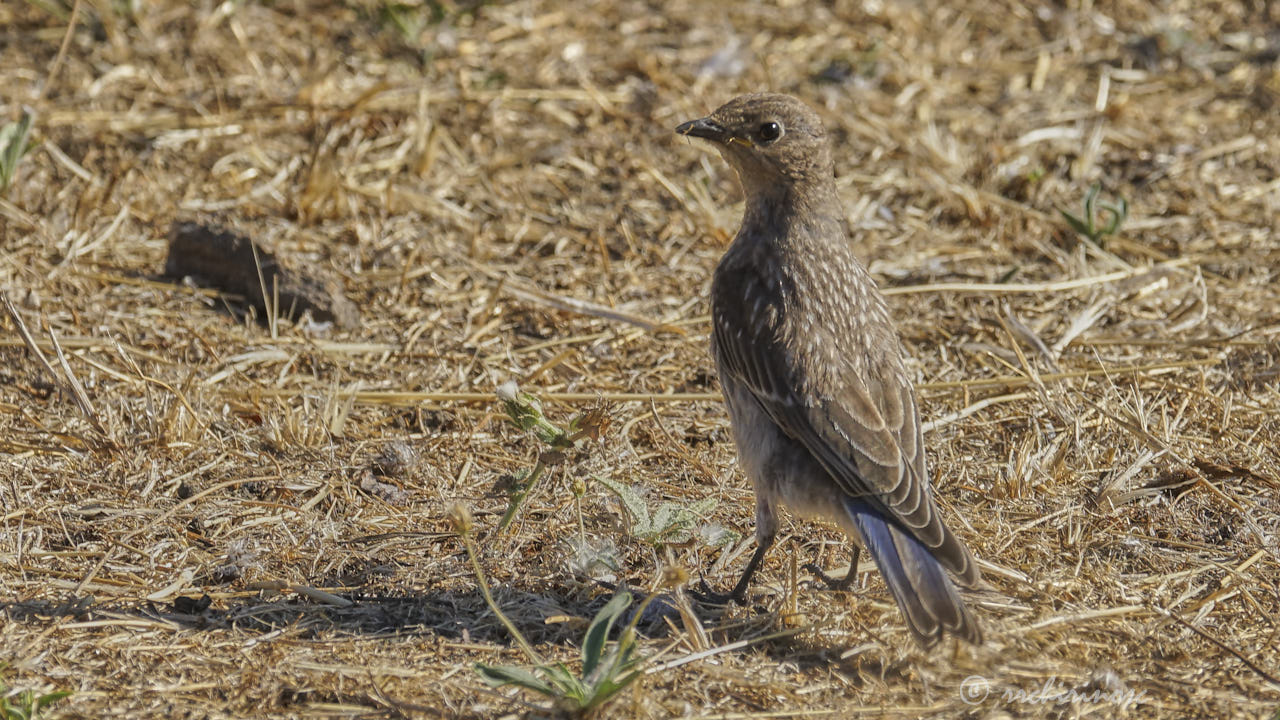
(926, 596)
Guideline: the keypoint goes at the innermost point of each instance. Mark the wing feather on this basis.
(856, 415)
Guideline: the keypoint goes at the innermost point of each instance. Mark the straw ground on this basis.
(498, 189)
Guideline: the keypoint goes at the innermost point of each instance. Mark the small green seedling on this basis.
(525, 412)
(408, 20)
(670, 522)
(26, 705)
(607, 668)
(14, 143)
(1088, 226)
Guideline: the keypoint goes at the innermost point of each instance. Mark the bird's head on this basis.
(773, 141)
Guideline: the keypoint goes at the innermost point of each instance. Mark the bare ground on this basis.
(498, 190)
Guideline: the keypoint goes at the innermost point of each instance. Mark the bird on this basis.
(822, 410)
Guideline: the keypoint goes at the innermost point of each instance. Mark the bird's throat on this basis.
(772, 208)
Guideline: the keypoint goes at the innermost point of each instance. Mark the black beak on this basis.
(703, 128)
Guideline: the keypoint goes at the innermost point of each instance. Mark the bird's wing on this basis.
(856, 412)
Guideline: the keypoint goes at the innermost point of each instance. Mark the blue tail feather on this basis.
(918, 582)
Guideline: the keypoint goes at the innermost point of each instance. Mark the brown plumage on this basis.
(823, 413)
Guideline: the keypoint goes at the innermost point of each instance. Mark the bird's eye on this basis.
(770, 131)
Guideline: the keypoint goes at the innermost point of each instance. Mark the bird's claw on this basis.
(707, 596)
(832, 584)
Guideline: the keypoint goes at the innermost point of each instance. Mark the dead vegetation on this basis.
(198, 513)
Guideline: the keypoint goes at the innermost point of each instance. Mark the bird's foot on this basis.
(707, 596)
(839, 585)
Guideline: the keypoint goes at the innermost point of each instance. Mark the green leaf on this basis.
(1087, 226)
(593, 642)
(674, 523)
(13, 145)
(497, 676)
(1076, 223)
(665, 518)
(702, 508)
(670, 522)
(525, 412)
(1007, 276)
(616, 672)
(566, 682)
(1088, 206)
(1119, 212)
(610, 685)
(633, 504)
(50, 698)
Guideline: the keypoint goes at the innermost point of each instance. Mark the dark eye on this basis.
(770, 131)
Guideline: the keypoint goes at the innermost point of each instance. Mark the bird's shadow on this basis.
(554, 616)
(461, 615)
(806, 653)
(551, 618)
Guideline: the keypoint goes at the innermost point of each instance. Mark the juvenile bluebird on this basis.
(823, 413)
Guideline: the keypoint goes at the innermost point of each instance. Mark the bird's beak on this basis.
(703, 128)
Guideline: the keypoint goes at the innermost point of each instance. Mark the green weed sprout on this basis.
(525, 412)
(607, 668)
(14, 143)
(669, 522)
(1088, 226)
(26, 705)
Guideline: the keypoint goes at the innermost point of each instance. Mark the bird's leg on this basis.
(844, 582)
(739, 592)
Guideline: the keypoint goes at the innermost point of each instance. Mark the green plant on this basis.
(409, 20)
(1009, 274)
(14, 144)
(26, 705)
(607, 668)
(525, 412)
(670, 522)
(1088, 226)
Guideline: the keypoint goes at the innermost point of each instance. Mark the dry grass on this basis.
(503, 197)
